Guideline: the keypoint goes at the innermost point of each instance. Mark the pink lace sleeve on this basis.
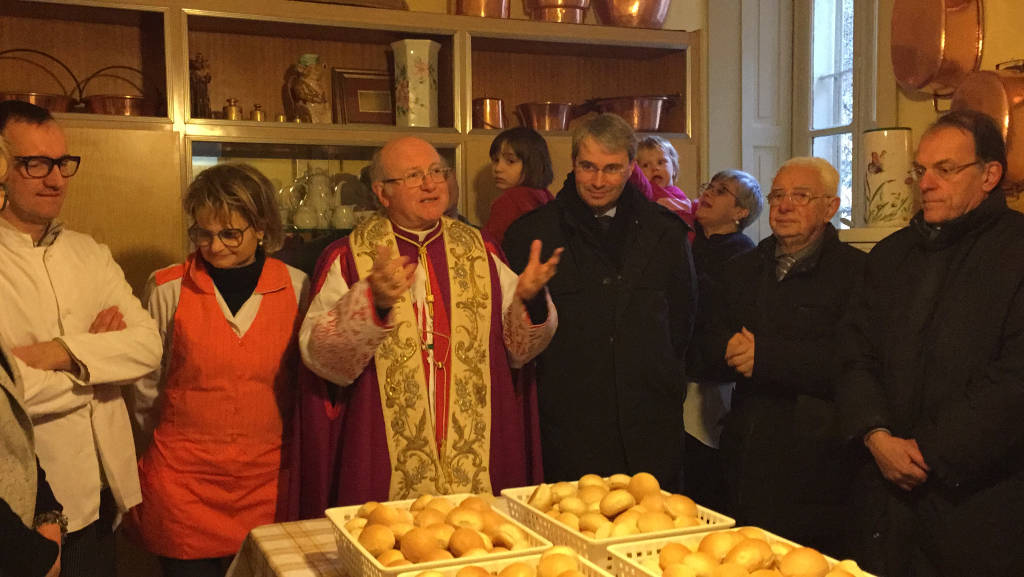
(523, 339)
(343, 340)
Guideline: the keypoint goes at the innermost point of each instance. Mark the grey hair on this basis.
(827, 173)
(748, 194)
(658, 143)
(374, 169)
(609, 130)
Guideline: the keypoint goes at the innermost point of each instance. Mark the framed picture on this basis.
(362, 96)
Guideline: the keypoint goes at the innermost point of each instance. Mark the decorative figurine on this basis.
(199, 86)
(305, 99)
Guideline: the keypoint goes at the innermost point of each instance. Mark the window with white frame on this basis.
(833, 86)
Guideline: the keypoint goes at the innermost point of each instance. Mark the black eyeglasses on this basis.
(437, 175)
(42, 166)
(944, 171)
(229, 237)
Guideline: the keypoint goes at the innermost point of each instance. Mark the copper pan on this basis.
(935, 43)
(1000, 94)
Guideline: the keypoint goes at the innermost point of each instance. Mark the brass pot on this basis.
(118, 105)
(568, 11)
(632, 13)
(51, 102)
(545, 115)
(643, 113)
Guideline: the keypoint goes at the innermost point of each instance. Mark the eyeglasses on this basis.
(229, 237)
(609, 170)
(42, 166)
(797, 197)
(712, 190)
(942, 170)
(437, 175)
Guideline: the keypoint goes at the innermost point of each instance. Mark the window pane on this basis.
(838, 149)
(832, 63)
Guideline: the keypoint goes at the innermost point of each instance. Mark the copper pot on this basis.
(568, 11)
(643, 113)
(1000, 94)
(488, 113)
(118, 105)
(483, 8)
(935, 43)
(632, 13)
(51, 102)
(545, 115)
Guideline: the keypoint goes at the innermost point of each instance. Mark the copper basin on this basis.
(567, 11)
(632, 13)
(488, 113)
(51, 102)
(483, 8)
(118, 105)
(545, 115)
(643, 113)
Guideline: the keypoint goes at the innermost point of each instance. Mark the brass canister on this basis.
(232, 111)
(489, 113)
(257, 113)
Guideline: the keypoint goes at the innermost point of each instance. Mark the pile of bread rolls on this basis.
(559, 561)
(619, 506)
(745, 552)
(434, 529)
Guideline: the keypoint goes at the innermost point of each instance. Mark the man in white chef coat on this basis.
(77, 334)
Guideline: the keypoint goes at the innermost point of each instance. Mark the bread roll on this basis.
(616, 502)
(803, 562)
(541, 497)
(680, 506)
(751, 554)
(592, 494)
(618, 481)
(702, 563)
(420, 502)
(384, 515)
(367, 508)
(729, 570)
(462, 517)
(556, 564)
(473, 571)
(518, 569)
(563, 489)
(388, 556)
(651, 522)
(679, 570)
(573, 505)
(672, 553)
(428, 516)
(643, 484)
(417, 543)
(377, 539)
(464, 540)
(718, 544)
(441, 504)
(591, 480)
(442, 533)
(476, 503)
(437, 555)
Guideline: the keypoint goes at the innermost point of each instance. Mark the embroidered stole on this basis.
(458, 459)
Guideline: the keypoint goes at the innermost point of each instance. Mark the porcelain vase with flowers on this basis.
(415, 82)
(888, 181)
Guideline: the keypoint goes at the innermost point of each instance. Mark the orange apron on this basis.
(211, 473)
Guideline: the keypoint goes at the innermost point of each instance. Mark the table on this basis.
(297, 549)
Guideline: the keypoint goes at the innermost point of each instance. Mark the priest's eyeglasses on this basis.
(436, 174)
(229, 237)
(945, 171)
(42, 166)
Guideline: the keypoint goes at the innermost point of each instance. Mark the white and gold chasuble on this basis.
(457, 460)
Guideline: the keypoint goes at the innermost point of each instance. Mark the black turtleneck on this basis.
(236, 285)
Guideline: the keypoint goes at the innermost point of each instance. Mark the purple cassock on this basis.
(337, 453)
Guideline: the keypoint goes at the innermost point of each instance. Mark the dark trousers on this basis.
(215, 567)
(90, 551)
(704, 478)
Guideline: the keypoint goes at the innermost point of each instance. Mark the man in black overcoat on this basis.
(933, 384)
(773, 329)
(612, 381)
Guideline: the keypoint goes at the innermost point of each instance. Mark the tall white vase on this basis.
(888, 186)
(415, 82)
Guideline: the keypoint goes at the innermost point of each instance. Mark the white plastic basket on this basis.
(358, 561)
(596, 550)
(628, 558)
(586, 567)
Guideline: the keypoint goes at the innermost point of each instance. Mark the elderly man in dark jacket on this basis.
(934, 374)
(773, 329)
(611, 383)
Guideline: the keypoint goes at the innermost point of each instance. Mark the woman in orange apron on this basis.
(228, 315)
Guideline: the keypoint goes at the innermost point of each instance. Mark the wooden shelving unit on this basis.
(249, 45)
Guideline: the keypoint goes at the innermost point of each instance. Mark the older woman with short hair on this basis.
(729, 203)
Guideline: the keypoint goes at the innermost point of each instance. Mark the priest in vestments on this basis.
(416, 324)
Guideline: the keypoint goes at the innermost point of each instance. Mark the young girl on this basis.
(522, 172)
(659, 162)
(228, 316)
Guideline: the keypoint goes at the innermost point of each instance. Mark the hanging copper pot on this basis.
(935, 43)
(1000, 94)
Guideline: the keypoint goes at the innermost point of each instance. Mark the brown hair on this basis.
(240, 188)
